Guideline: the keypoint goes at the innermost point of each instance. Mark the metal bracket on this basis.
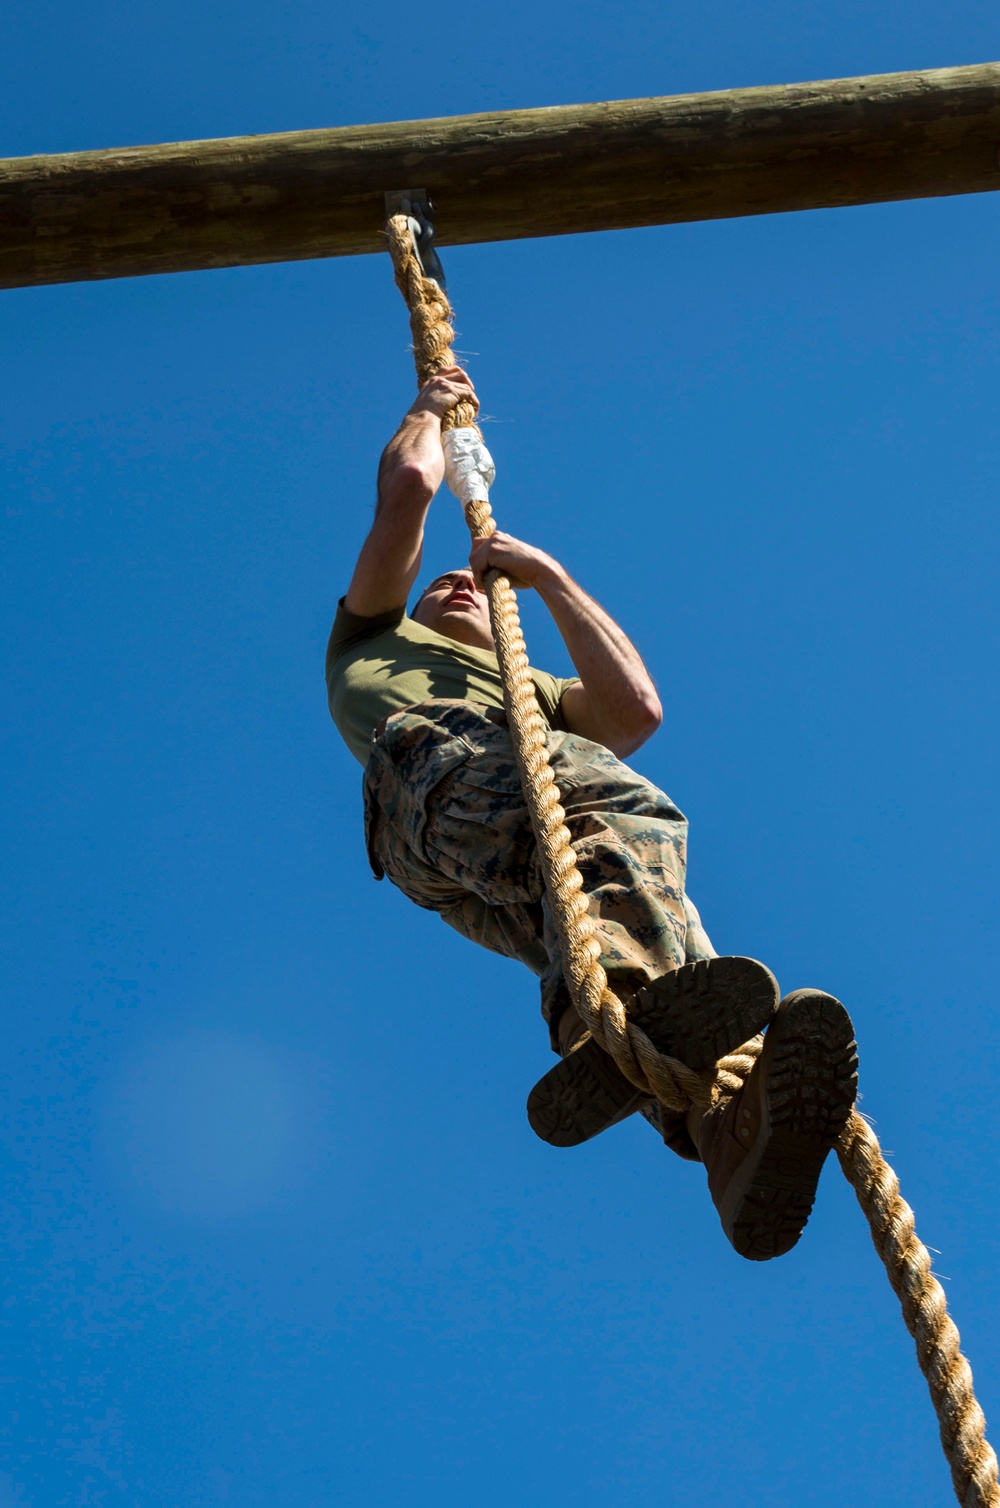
(417, 207)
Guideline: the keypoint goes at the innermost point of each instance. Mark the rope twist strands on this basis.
(670, 1081)
(925, 1312)
(907, 1261)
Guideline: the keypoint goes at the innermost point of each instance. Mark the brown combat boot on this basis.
(696, 1013)
(765, 1147)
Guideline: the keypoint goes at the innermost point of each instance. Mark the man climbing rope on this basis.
(419, 701)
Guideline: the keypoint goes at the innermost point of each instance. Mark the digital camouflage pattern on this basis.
(445, 820)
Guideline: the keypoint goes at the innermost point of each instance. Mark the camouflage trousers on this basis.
(445, 820)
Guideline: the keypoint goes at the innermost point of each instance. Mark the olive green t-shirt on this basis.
(376, 666)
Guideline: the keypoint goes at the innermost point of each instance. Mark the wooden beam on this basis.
(495, 177)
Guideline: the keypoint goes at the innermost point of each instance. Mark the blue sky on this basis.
(276, 1229)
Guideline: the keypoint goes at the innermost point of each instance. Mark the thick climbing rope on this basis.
(925, 1313)
(669, 1080)
(907, 1261)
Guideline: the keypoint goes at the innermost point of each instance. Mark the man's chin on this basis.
(464, 629)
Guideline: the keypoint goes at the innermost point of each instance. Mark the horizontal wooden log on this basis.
(501, 176)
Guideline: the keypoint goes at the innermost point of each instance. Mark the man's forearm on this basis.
(411, 465)
(616, 703)
(619, 706)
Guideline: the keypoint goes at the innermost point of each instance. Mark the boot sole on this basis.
(580, 1097)
(807, 1094)
(696, 1013)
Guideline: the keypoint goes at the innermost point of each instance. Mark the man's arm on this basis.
(616, 703)
(409, 474)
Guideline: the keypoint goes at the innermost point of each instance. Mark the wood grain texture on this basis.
(494, 177)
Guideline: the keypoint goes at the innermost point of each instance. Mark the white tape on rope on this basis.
(468, 465)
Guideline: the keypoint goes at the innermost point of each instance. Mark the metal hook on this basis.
(415, 205)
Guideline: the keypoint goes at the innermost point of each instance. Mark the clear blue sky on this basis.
(276, 1233)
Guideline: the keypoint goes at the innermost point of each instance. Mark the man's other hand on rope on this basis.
(615, 703)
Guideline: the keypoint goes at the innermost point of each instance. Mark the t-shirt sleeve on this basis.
(550, 690)
(351, 629)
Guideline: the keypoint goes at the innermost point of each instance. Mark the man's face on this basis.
(454, 605)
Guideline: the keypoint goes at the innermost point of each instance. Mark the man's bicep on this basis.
(577, 710)
(386, 568)
(378, 585)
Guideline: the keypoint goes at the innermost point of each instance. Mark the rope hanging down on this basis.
(907, 1261)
